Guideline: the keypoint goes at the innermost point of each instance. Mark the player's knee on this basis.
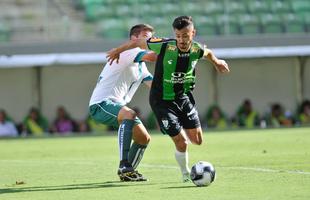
(129, 114)
(195, 137)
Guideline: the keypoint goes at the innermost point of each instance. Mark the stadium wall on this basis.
(263, 80)
(306, 80)
(16, 91)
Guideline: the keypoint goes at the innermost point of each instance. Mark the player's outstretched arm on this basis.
(149, 57)
(220, 65)
(114, 53)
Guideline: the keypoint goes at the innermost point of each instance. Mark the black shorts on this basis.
(174, 115)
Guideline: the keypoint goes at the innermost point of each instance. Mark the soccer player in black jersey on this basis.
(171, 96)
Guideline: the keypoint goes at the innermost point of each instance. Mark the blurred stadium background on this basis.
(51, 51)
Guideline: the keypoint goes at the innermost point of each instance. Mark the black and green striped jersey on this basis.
(175, 70)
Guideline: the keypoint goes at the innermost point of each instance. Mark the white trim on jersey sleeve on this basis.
(127, 57)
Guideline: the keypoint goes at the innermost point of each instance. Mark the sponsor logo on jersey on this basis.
(180, 77)
(172, 47)
(195, 49)
(183, 55)
(178, 74)
(170, 62)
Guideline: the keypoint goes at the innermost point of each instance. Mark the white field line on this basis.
(257, 169)
(154, 166)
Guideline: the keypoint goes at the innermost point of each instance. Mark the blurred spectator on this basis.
(93, 126)
(7, 127)
(34, 123)
(63, 123)
(304, 113)
(277, 117)
(246, 116)
(215, 118)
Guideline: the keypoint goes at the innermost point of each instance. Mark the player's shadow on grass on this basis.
(108, 184)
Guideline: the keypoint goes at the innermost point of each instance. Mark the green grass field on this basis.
(254, 164)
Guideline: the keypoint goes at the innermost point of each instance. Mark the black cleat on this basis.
(130, 176)
(127, 173)
(142, 178)
(124, 169)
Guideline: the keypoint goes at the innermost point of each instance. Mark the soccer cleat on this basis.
(125, 169)
(127, 173)
(142, 178)
(186, 177)
(131, 176)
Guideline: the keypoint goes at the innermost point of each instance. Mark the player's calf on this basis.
(195, 135)
(140, 134)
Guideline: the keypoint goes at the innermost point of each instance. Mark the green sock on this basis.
(124, 138)
(135, 154)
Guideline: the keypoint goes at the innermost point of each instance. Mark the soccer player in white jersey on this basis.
(116, 85)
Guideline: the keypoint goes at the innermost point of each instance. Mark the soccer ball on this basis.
(203, 173)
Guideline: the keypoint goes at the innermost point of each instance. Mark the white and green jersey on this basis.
(118, 82)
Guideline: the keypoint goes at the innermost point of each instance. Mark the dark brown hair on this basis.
(182, 22)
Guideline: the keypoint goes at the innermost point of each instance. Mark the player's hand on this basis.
(113, 55)
(221, 66)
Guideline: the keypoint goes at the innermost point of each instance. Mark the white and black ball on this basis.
(203, 173)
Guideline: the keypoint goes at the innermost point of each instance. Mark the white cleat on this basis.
(186, 178)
